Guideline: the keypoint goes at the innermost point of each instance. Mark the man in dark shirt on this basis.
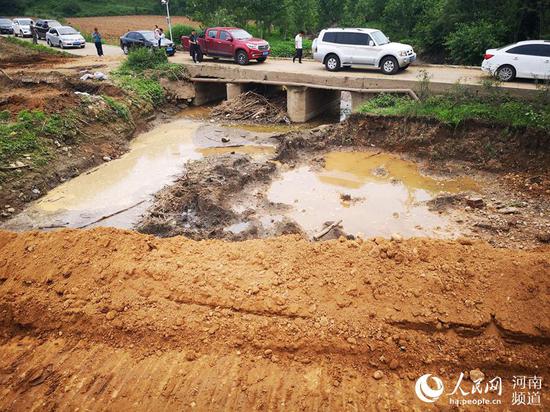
(194, 46)
(34, 34)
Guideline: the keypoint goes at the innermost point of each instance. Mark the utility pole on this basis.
(168, 20)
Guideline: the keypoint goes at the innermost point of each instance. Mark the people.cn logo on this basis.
(425, 392)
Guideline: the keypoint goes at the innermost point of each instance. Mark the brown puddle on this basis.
(251, 150)
(374, 194)
(116, 193)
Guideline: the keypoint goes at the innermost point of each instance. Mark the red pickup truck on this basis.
(230, 42)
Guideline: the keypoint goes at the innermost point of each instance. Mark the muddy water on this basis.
(118, 192)
(374, 194)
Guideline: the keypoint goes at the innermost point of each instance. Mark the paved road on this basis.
(89, 50)
(441, 76)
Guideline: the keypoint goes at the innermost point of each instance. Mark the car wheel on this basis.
(389, 65)
(242, 58)
(125, 49)
(49, 42)
(332, 63)
(21, 34)
(506, 73)
(61, 44)
(261, 59)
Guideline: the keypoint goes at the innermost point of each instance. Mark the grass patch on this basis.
(26, 134)
(39, 48)
(144, 58)
(453, 109)
(120, 109)
(141, 71)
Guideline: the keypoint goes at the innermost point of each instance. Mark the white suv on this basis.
(527, 59)
(337, 48)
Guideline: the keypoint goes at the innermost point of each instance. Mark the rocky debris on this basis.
(543, 237)
(475, 202)
(476, 375)
(378, 375)
(251, 106)
(508, 210)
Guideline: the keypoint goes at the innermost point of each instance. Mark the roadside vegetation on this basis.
(460, 105)
(141, 72)
(25, 136)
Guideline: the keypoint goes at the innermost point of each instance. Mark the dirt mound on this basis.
(15, 55)
(106, 317)
(196, 204)
(253, 107)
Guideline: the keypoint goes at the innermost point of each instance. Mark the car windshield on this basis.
(67, 30)
(5, 21)
(24, 22)
(241, 34)
(149, 35)
(54, 23)
(379, 37)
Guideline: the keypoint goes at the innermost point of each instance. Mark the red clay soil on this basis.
(114, 320)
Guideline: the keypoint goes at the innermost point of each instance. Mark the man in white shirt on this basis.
(299, 47)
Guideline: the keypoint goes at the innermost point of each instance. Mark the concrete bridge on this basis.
(311, 90)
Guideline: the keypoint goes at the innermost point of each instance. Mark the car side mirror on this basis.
(371, 43)
(230, 39)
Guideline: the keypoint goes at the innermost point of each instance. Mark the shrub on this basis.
(182, 30)
(467, 44)
(144, 58)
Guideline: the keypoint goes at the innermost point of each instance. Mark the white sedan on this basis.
(65, 37)
(525, 59)
(22, 27)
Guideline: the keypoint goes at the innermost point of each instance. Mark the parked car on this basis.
(145, 38)
(6, 26)
(337, 48)
(22, 27)
(526, 59)
(43, 26)
(230, 43)
(65, 37)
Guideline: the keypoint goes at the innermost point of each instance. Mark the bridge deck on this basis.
(441, 77)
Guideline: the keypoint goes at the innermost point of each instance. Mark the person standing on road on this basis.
(156, 33)
(161, 36)
(96, 37)
(194, 46)
(34, 34)
(299, 47)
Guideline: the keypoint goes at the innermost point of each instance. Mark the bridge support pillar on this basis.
(208, 92)
(235, 89)
(305, 103)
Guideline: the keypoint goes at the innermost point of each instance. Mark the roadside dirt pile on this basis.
(13, 55)
(107, 317)
(253, 107)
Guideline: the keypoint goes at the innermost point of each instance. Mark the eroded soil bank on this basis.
(73, 126)
(109, 317)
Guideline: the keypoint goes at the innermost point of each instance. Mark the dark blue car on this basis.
(145, 38)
